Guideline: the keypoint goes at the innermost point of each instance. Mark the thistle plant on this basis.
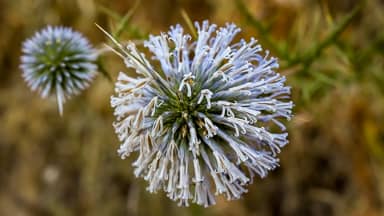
(60, 61)
(204, 116)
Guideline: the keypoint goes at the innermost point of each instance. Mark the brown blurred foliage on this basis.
(52, 165)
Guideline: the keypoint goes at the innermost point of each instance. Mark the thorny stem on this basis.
(264, 33)
(317, 50)
(125, 20)
(307, 59)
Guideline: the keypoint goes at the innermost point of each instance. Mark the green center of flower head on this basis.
(54, 53)
(60, 57)
(183, 108)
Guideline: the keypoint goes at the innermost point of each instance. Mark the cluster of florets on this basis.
(58, 61)
(202, 119)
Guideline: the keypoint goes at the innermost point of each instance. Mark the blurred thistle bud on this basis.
(203, 119)
(58, 60)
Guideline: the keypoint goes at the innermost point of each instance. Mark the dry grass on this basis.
(332, 166)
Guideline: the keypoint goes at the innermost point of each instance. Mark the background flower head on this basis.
(58, 60)
(203, 119)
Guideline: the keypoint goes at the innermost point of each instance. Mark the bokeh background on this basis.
(332, 53)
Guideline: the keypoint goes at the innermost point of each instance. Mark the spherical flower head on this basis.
(58, 60)
(205, 116)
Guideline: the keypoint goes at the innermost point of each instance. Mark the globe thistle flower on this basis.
(58, 60)
(201, 114)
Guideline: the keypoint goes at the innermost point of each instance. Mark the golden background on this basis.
(332, 53)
